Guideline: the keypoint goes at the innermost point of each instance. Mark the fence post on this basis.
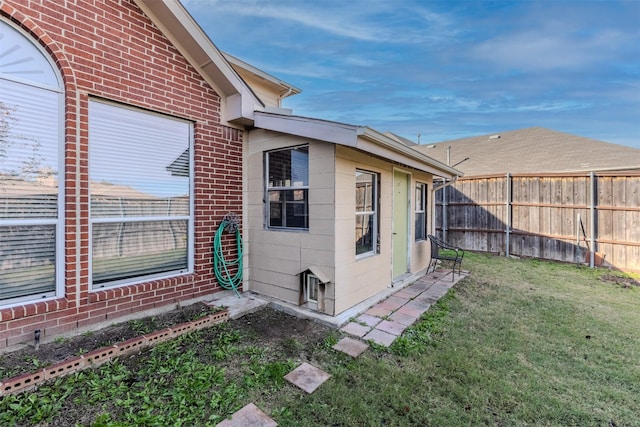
(592, 217)
(508, 200)
(445, 223)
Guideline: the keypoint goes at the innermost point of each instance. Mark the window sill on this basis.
(366, 255)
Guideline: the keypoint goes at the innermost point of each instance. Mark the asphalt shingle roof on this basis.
(532, 150)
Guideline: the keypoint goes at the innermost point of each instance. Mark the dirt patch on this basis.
(289, 336)
(624, 282)
(28, 359)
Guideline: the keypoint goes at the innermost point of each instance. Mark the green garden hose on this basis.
(221, 266)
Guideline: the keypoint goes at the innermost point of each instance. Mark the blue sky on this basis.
(445, 69)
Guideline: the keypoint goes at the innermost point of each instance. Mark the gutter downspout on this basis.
(283, 96)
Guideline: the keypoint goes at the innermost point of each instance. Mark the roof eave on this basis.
(284, 89)
(435, 167)
(358, 137)
(239, 101)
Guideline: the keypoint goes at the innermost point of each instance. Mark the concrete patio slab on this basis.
(307, 377)
(237, 306)
(249, 415)
(353, 348)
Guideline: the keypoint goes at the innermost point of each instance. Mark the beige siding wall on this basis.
(275, 257)
(420, 250)
(358, 279)
(261, 88)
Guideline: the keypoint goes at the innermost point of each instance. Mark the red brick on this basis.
(65, 367)
(159, 336)
(26, 321)
(131, 346)
(21, 382)
(100, 356)
(55, 330)
(107, 49)
(182, 328)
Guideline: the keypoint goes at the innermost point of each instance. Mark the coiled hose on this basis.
(221, 266)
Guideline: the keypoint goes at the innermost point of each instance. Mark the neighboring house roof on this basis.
(239, 101)
(532, 150)
(359, 137)
(16, 187)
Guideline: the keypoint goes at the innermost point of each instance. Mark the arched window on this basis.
(31, 135)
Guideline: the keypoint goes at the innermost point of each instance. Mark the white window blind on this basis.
(141, 203)
(366, 236)
(31, 240)
(421, 211)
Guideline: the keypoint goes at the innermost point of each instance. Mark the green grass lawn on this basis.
(518, 342)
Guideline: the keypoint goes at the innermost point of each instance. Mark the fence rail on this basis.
(536, 215)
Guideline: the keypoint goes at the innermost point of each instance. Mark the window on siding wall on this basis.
(288, 188)
(366, 212)
(31, 234)
(141, 195)
(421, 211)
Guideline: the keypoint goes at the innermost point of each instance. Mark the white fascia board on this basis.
(358, 137)
(187, 36)
(285, 87)
(337, 133)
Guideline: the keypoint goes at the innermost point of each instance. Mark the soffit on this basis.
(358, 137)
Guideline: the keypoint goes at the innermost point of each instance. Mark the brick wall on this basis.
(110, 49)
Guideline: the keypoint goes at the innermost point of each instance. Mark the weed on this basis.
(514, 344)
(270, 375)
(330, 340)
(142, 327)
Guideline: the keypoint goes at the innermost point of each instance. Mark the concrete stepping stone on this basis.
(403, 318)
(356, 329)
(367, 319)
(250, 415)
(380, 337)
(379, 311)
(307, 377)
(353, 348)
(394, 328)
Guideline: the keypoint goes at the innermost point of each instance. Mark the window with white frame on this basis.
(421, 211)
(141, 190)
(31, 182)
(287, 173)
(366, 212)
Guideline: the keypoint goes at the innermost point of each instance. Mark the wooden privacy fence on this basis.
(535, 215)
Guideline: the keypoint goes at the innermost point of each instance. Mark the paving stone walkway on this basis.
(385, 321)
(382, 324)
